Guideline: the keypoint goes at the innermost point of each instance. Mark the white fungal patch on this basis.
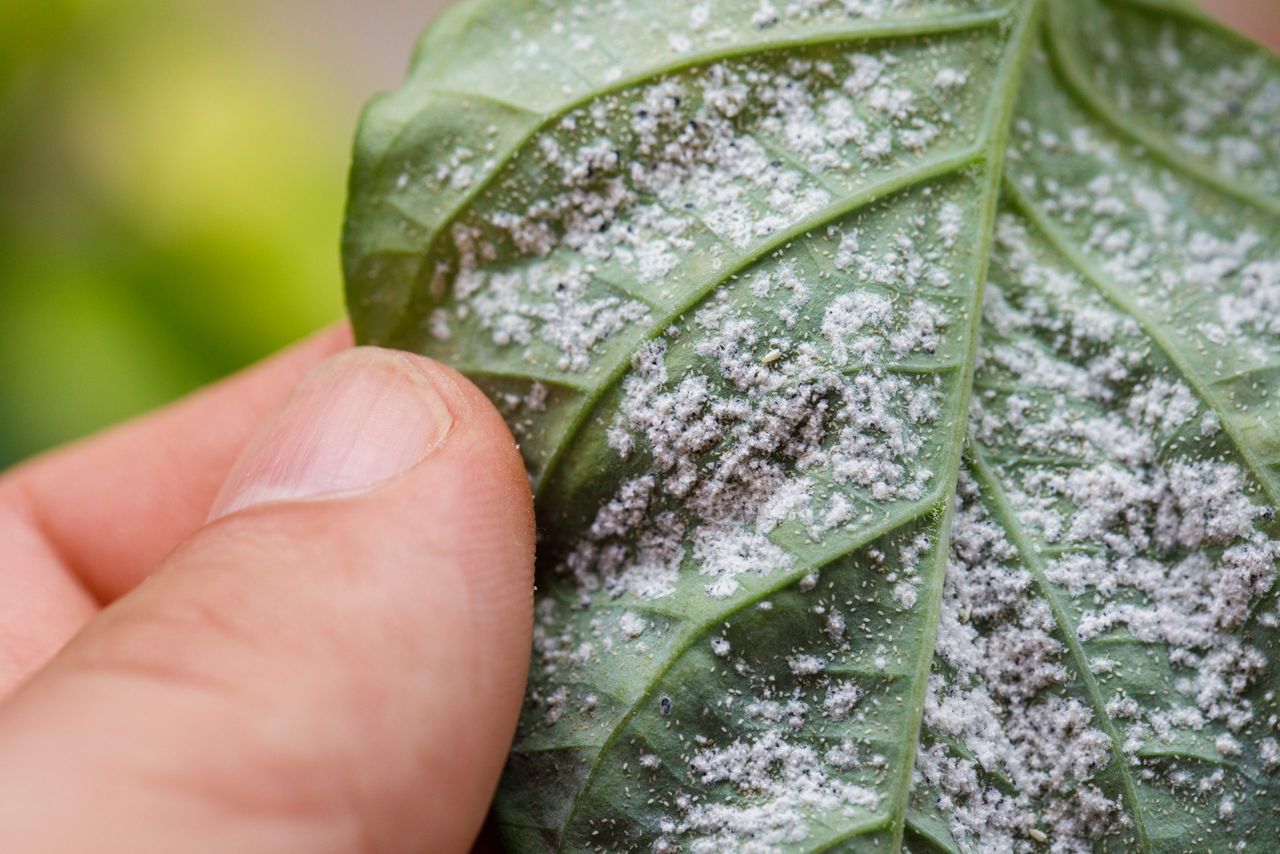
(846, 316)
(1202, 273)
(841, 699)
(781, 783)
(1214, 103)
(632, 625)
(789, 762)
(644, 194)
(726, 552)
(553, 306)
(996, 658)
(1150, 536)
(740, 442)
(806, 665)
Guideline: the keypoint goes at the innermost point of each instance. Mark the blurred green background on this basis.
(172, 175)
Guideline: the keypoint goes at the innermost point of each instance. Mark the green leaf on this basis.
(724, 268)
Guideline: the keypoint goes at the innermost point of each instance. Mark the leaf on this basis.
(721, 267)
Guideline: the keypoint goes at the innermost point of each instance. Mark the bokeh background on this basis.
(172, 176)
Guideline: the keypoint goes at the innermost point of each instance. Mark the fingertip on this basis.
(357, 659)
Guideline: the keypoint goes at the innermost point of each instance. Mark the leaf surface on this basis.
(723, 266)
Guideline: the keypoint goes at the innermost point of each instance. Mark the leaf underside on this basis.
(899, 382)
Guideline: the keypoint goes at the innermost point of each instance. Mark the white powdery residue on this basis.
(990, 696)
(982, 819)
(840, 510)
(1163, 404)
(1019, 659)
(1205, 504)
(948, 79)
(866, 71)
(793, 712)
(806, 665)
(631, 625)
(843, 755)
(846, 257)
(905, 594)
(695, 151)
(1213, 258)
(1157, 540)
(721, 647)
(1226, 745)
(734, 440)
(792, 500)
(906, 262)
(874, 444)
(893, 101)
(438, 324)
(626, 510)
(555, 706)
(1223, 111)
(950, 223)
(1255, 306)
(841, 699)
(1269, 754)
(650, 568)
(765, 15)
(879, 146)
(1155, 237)
(785, 275)
(535, 400)
(922, 330)
(620, 441)
(846, 316)
(835, 626)
(551, 304)
(1210, 424)
(779, 785)
(728, 552)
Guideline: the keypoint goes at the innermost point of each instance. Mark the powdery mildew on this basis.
(606, 211)
(725, 302)
(756, 448)
(1147, 532)
(1217, 103)
(996, 707)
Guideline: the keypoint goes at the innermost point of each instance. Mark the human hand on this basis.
(334, 663)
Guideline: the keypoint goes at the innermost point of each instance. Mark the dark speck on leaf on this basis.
(664, 706)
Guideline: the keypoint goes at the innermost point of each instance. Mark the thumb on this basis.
(335, 664)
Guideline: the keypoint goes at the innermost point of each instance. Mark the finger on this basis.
(105, 511)
(81, 525)
(41, 603)
(307, 674)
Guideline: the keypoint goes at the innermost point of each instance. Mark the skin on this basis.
(329, 675)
